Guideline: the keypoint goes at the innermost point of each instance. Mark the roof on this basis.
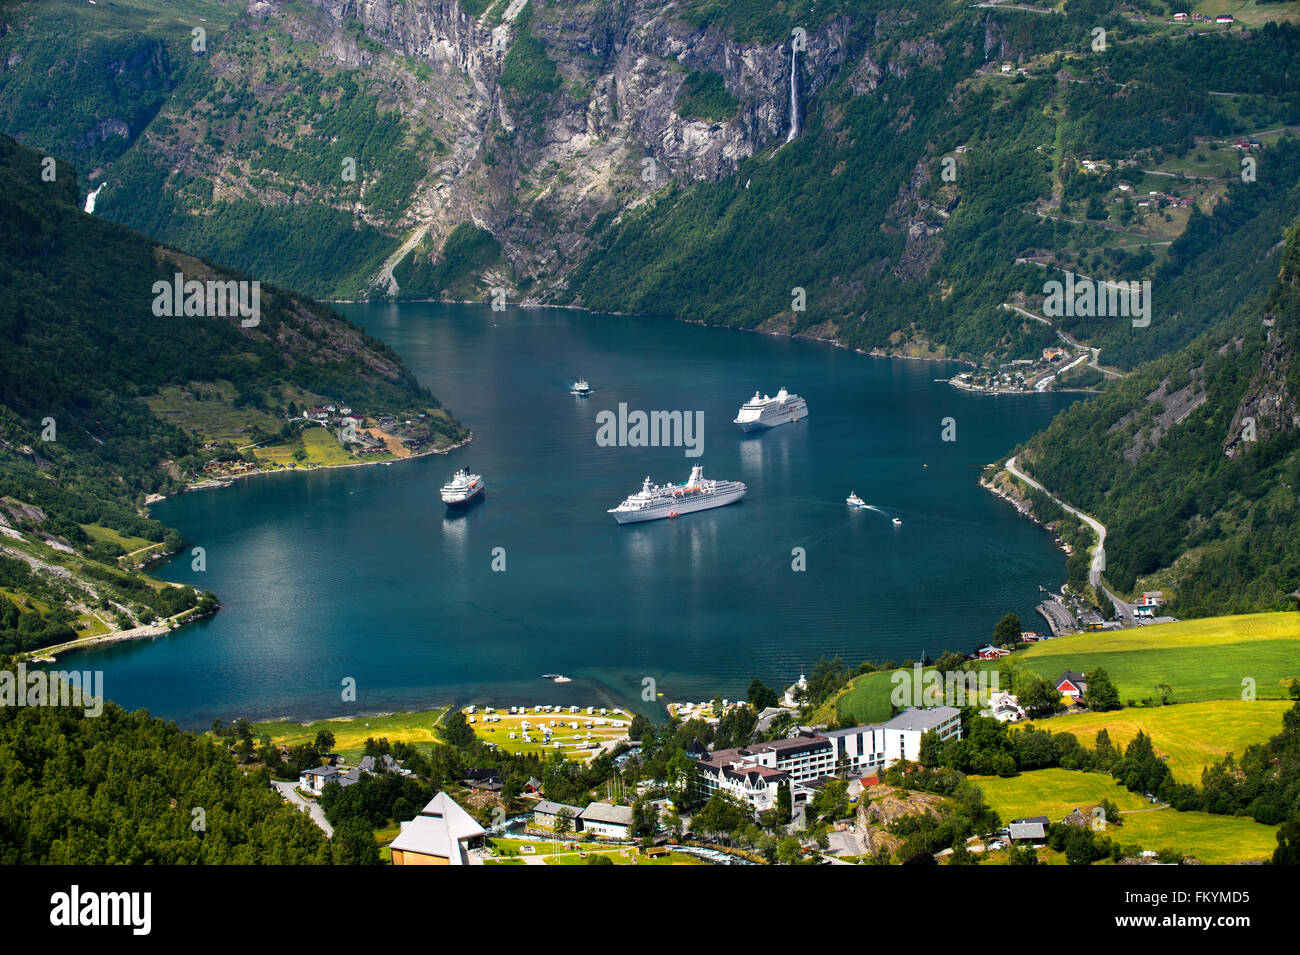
(791, 746)
(429, 835)
(608, 813)
(922, 719)
(548, 808)
(1028, 830)
(1072, 677)
(458, 822)
(321, 771)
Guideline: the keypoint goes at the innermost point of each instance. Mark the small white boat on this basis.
(897, 522)
(580, 388)
(854, 501)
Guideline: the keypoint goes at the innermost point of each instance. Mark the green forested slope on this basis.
(831, 212)
(123, 788)
(82, 353)
(1164, 461)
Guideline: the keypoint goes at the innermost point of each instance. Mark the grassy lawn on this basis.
(1191, 735)
(350, 732)
(128, 544)
(1200, 659)
(1057, 792)
(323, 447)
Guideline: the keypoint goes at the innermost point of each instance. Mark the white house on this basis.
(1006, 708)
(607, 821)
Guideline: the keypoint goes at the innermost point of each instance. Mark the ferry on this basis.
(580, 388)
(854, 501)
(463, 489)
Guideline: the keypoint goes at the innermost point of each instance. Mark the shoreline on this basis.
(147, 631)
(833, 342)
(213, 483)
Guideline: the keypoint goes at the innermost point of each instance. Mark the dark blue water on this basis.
(362, 573)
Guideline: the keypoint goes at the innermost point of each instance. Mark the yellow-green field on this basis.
(128, 544)
(1057, 792)
(350, 733)
(504, 723)
(322, 448)
(1191, 735)
(1216, 658)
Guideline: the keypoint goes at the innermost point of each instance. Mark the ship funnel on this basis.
(697, 474)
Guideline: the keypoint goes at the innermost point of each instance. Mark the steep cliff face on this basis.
(1271, 405)
(532, 121)
(613, 134)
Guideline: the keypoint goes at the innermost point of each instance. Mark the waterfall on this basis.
(794, 91)
(90, 198)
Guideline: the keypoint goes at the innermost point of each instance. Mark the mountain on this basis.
(104, 402)
(1193, 462)
(634, 157)
(899, 176)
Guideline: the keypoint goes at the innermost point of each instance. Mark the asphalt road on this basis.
(1122, 610)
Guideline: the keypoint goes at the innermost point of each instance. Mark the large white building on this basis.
(754, 773)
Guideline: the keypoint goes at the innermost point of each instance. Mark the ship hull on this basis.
(677, 508)
(772, 421)
(474, 496)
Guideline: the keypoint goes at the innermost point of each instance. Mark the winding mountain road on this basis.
(1098, 567)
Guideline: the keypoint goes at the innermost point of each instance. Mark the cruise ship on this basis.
(464, 488)
(759, 413)
(655, 501)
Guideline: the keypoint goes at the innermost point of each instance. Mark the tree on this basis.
(324, 741)
(1038, 696)
(563, 823)
(1007, 632)
(1100, 694)
(456, 730)
(790, 851)
(1288, 844)
(761, 696)
(1022, 853)
(931, 748)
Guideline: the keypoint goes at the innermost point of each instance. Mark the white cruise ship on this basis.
(655, 501)
(759, 413)
(462, 489)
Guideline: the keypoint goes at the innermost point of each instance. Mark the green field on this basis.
(207, 409)
(1216, 840)
(1191, 735)
(1206, 659)
(350, 733)
(498, 732)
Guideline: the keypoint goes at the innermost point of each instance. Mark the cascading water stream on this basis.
(794, 91)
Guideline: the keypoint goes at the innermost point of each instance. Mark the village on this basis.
(323, 436)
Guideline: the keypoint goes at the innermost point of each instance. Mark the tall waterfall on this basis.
(90, 198)
(794, 91)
